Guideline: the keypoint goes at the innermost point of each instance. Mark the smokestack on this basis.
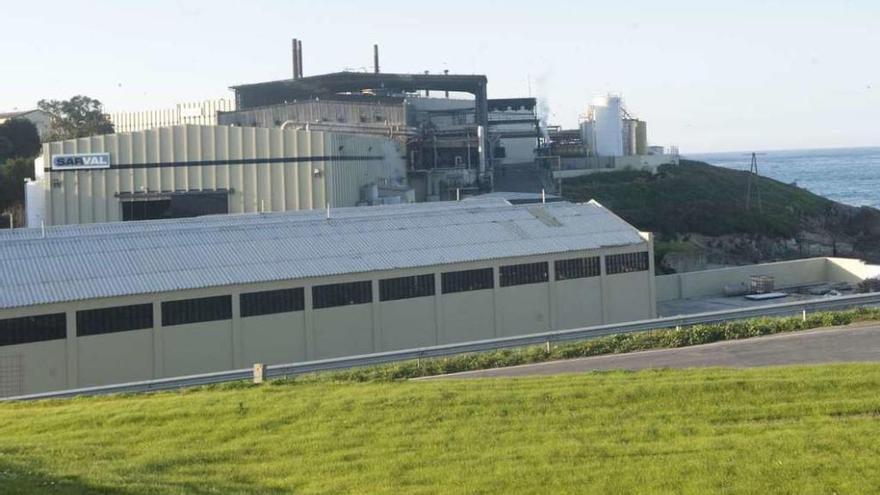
(295, 50)
(376, 59)
(446, 73)
(299, 57)
(427, 91)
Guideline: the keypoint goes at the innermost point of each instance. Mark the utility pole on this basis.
(753, 173)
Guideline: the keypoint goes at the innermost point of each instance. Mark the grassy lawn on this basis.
(798, 430)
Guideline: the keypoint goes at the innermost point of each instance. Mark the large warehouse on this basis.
(191, 170)
(84, 305)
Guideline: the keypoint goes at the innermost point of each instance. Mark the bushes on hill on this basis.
(613, 344)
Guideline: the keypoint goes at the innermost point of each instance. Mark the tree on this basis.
(12, 176)
(18, 138)
(77, 117)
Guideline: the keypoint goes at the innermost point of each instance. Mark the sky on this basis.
(706, 75)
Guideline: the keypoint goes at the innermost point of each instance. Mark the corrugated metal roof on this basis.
(77, 262)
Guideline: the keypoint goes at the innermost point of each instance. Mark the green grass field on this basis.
(798, 430)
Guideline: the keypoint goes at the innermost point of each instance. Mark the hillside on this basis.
(705, 206)
(772, 430)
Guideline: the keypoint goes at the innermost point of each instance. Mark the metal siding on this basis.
(93, 195)
(115, 259)
(150, 119)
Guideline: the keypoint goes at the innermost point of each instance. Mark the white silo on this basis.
(608, 126)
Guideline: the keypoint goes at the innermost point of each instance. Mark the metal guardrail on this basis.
(285, 370)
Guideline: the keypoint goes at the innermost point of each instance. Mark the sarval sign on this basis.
(81, 161)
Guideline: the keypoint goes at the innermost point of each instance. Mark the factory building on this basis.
(191, 170)
(453, 134)
(194, 113)
(84, 305)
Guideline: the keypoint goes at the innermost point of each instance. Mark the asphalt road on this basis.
(855, 343)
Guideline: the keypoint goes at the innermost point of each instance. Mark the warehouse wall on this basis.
(273, 339)
(579, 302)
(166, 351)
(260, 169)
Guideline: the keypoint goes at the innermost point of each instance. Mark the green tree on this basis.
(18, 138)
(12, 176)
(77, 117)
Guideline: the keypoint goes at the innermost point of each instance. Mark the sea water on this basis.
(847, 175)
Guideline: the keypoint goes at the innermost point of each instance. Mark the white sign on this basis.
(80, 161)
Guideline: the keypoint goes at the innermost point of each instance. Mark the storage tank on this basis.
(642, 138)
(35, 202)
(608, 126)
(630, 127)
(587, 137)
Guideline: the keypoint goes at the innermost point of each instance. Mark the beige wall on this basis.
(323, 333)
(87, 196)
(850, 270)
(408, 323)
(197, 348)
(468, 316)
(272, 339)
(114, 357)
(579, 302)
(36, 367)
(523, 309)
(794, 273)
(343, 331)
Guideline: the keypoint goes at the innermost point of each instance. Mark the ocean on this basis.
(846, 175)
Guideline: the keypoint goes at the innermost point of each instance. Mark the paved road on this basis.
(855, 343)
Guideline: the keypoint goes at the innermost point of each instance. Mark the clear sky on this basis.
(706, 75)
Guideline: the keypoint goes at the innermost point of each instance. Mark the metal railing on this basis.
(545, 338)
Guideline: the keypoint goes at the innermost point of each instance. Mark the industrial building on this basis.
(608, 137)
(85, 305)
(194, 113)
(191, 170)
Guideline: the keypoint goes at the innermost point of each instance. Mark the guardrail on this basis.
(283, 370)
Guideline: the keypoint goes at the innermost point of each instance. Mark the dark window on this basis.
(196, 310)
(528, 273)
(176, 205)
(328, 296)
(467, 280)
(118, 319)
(29, 329)
(626, 263)
(577, 268)
(392, 289)
(272, 302)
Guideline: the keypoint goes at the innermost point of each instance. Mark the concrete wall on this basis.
(320, 333)
(850, 270)
(576, 167)
(708, 283)
(259, 169)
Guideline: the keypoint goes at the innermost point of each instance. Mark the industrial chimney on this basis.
(299, 57)
(376, 59)
(295, 58)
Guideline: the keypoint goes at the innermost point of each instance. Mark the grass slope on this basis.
(700, 198)
(798, 430)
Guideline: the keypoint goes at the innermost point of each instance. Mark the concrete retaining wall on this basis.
(708, 283)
